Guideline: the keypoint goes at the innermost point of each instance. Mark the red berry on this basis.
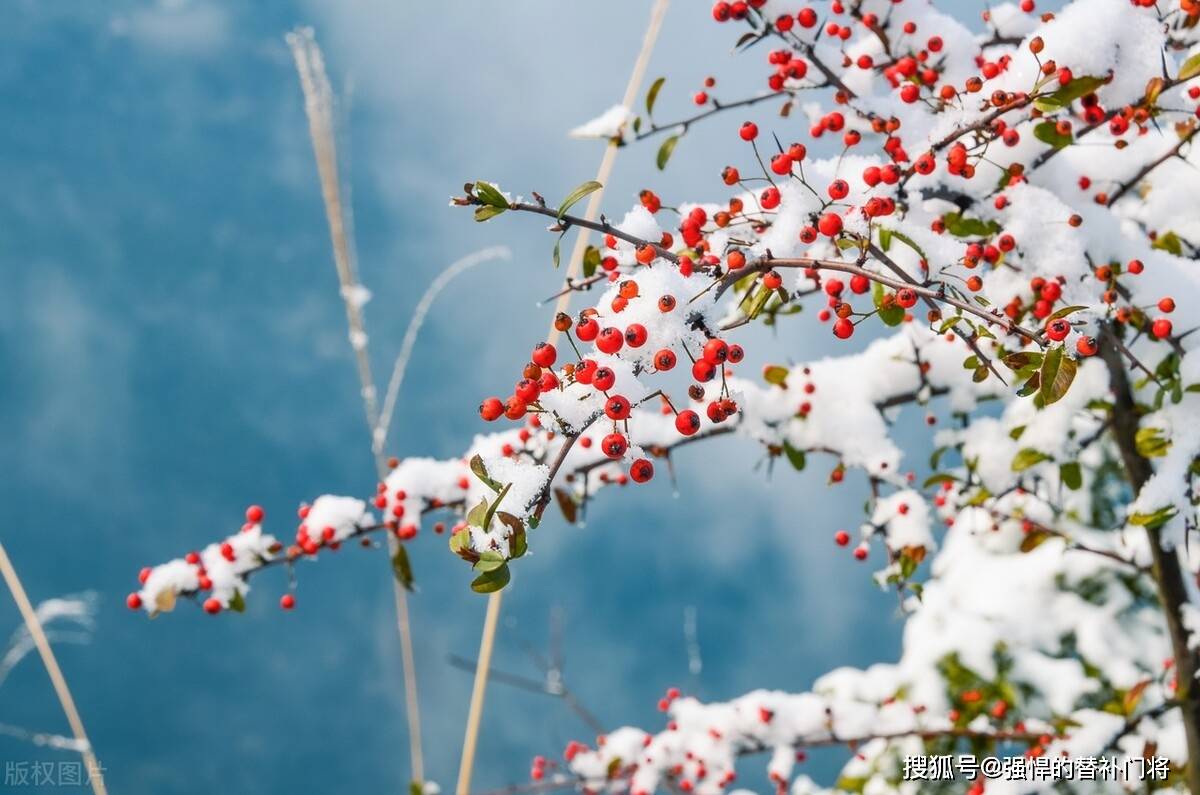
(610, 340)
(841, 538)
(212, 605)
(906, 297)
(664, 360)
(772, 280)
(587, 329)
(838, 189)
(1058, 329)
(859, 284)
(830, 224)
(715, 351)
(1166, 305)
(287, 601)
(603, 378)
(1161, 328)
(635, 335)
(1086, 346)
(860, 553)
(527, 389)
(544, 355)
(843, 328)
(781, 164)
(703, 370)
(749, 131)
(491, 409)
(133, 601)
(255, 514)
(641, 471)
(617, 408)
(735, 354)
(514, 408)
(1135, 266)
(687, 422)
(614, 445)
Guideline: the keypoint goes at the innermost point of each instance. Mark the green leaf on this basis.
(1153, 521)
(490, 195)
(1151, 443)
(518, 544)
(591, 261)
(664, 151)
(1190, 68)
(491, 581)
(402, 568)
(1064, 96)
(775, 374)
(416, 788)
(476, 514)
(556, 256)
(487, 211)
(236, 603)
(1026, 458)
(460, 544)
(893, 313)
(1058, 371)
(1016, 433)
(759, 301)
(794, 456)
(652, 94)
(490, 560)
(1066, 310)
(885, 238)
(961, 226)
(939, 478)
(481, 472)
(591, 186)
(1030, 386)
(1047, 132)
(1169, 242)
(1072, 476)
(487, 518)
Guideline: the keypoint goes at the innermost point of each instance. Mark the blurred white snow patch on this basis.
(609, 124)
(176, 27)
(356, 295)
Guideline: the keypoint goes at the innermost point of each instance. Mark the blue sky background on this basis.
(172, 348)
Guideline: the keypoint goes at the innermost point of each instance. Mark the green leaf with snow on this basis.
(487, 212)
(1155, 520)
(1169, 242)
(1151, 443)
(477, 467)
(237, 603)
(490, 195)
(1027, 458)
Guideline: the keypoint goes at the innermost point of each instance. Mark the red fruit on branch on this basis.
(641, 471)
(614, 445)
(687, 422)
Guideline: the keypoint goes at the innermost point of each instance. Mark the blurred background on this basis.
(173, 348)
